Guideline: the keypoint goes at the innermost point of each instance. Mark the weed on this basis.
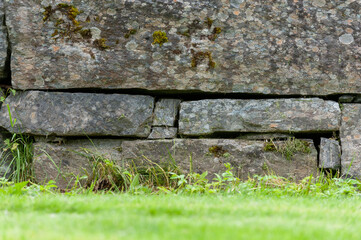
(17, 154)
(20, 150)
(288, 148)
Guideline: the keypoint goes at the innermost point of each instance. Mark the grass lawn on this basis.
(172, 217)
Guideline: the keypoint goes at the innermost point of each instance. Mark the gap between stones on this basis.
(6, 82)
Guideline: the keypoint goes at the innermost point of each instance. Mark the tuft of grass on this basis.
(288, 148)
(107, 175)
(17, 158)
(17, 154)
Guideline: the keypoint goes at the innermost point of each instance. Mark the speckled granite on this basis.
(350, 135)
(248, 158)
(78, 114)
(268, 115)
(330, 154)
(248, 46)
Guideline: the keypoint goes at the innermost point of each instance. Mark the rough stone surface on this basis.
(78, 114)
(350, 134)
(330, 154)
(246, 46)
(165, 112)
(163, 133)
(68, 160)
(273, 115)
(247, 157)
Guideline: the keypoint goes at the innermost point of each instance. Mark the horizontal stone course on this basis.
(78, 114)
(267, 115)
(248, 158)
(253, 46)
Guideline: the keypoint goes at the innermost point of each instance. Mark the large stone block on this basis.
(248, 158)
(269, 115)
(70, 160)
(78, 114)
(350, 134)
(330, 154)
(246, 46)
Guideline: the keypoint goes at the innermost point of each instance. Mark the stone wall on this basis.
(214, 81)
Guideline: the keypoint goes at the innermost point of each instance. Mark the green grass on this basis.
(125, 216)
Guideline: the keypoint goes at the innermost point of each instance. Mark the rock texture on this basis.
(246, 46)
(65, 162)
(78, 114)
(163, 133)
(248, 158)
(273, 115)
(350, 134)
(165, 112)
(330, 154)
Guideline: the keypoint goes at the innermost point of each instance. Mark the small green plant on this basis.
(160, 38)
(288, 148)
(17, 154)
(17, 158)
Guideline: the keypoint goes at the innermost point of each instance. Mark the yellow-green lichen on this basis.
(130, 33)
(217, 30)
(100, 43)
(68, 27)
(86, 33)
(160, 38)
(218, 151)
(209, 22)
(215, 33)
(200, 56)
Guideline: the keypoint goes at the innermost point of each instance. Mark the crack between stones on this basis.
(6, 82)
(189, 95)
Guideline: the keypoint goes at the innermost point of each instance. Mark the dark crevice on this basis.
(51, 138)
(188, 95)
(305, 135)
(224, 135)
(6, 81)
(331, 173)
